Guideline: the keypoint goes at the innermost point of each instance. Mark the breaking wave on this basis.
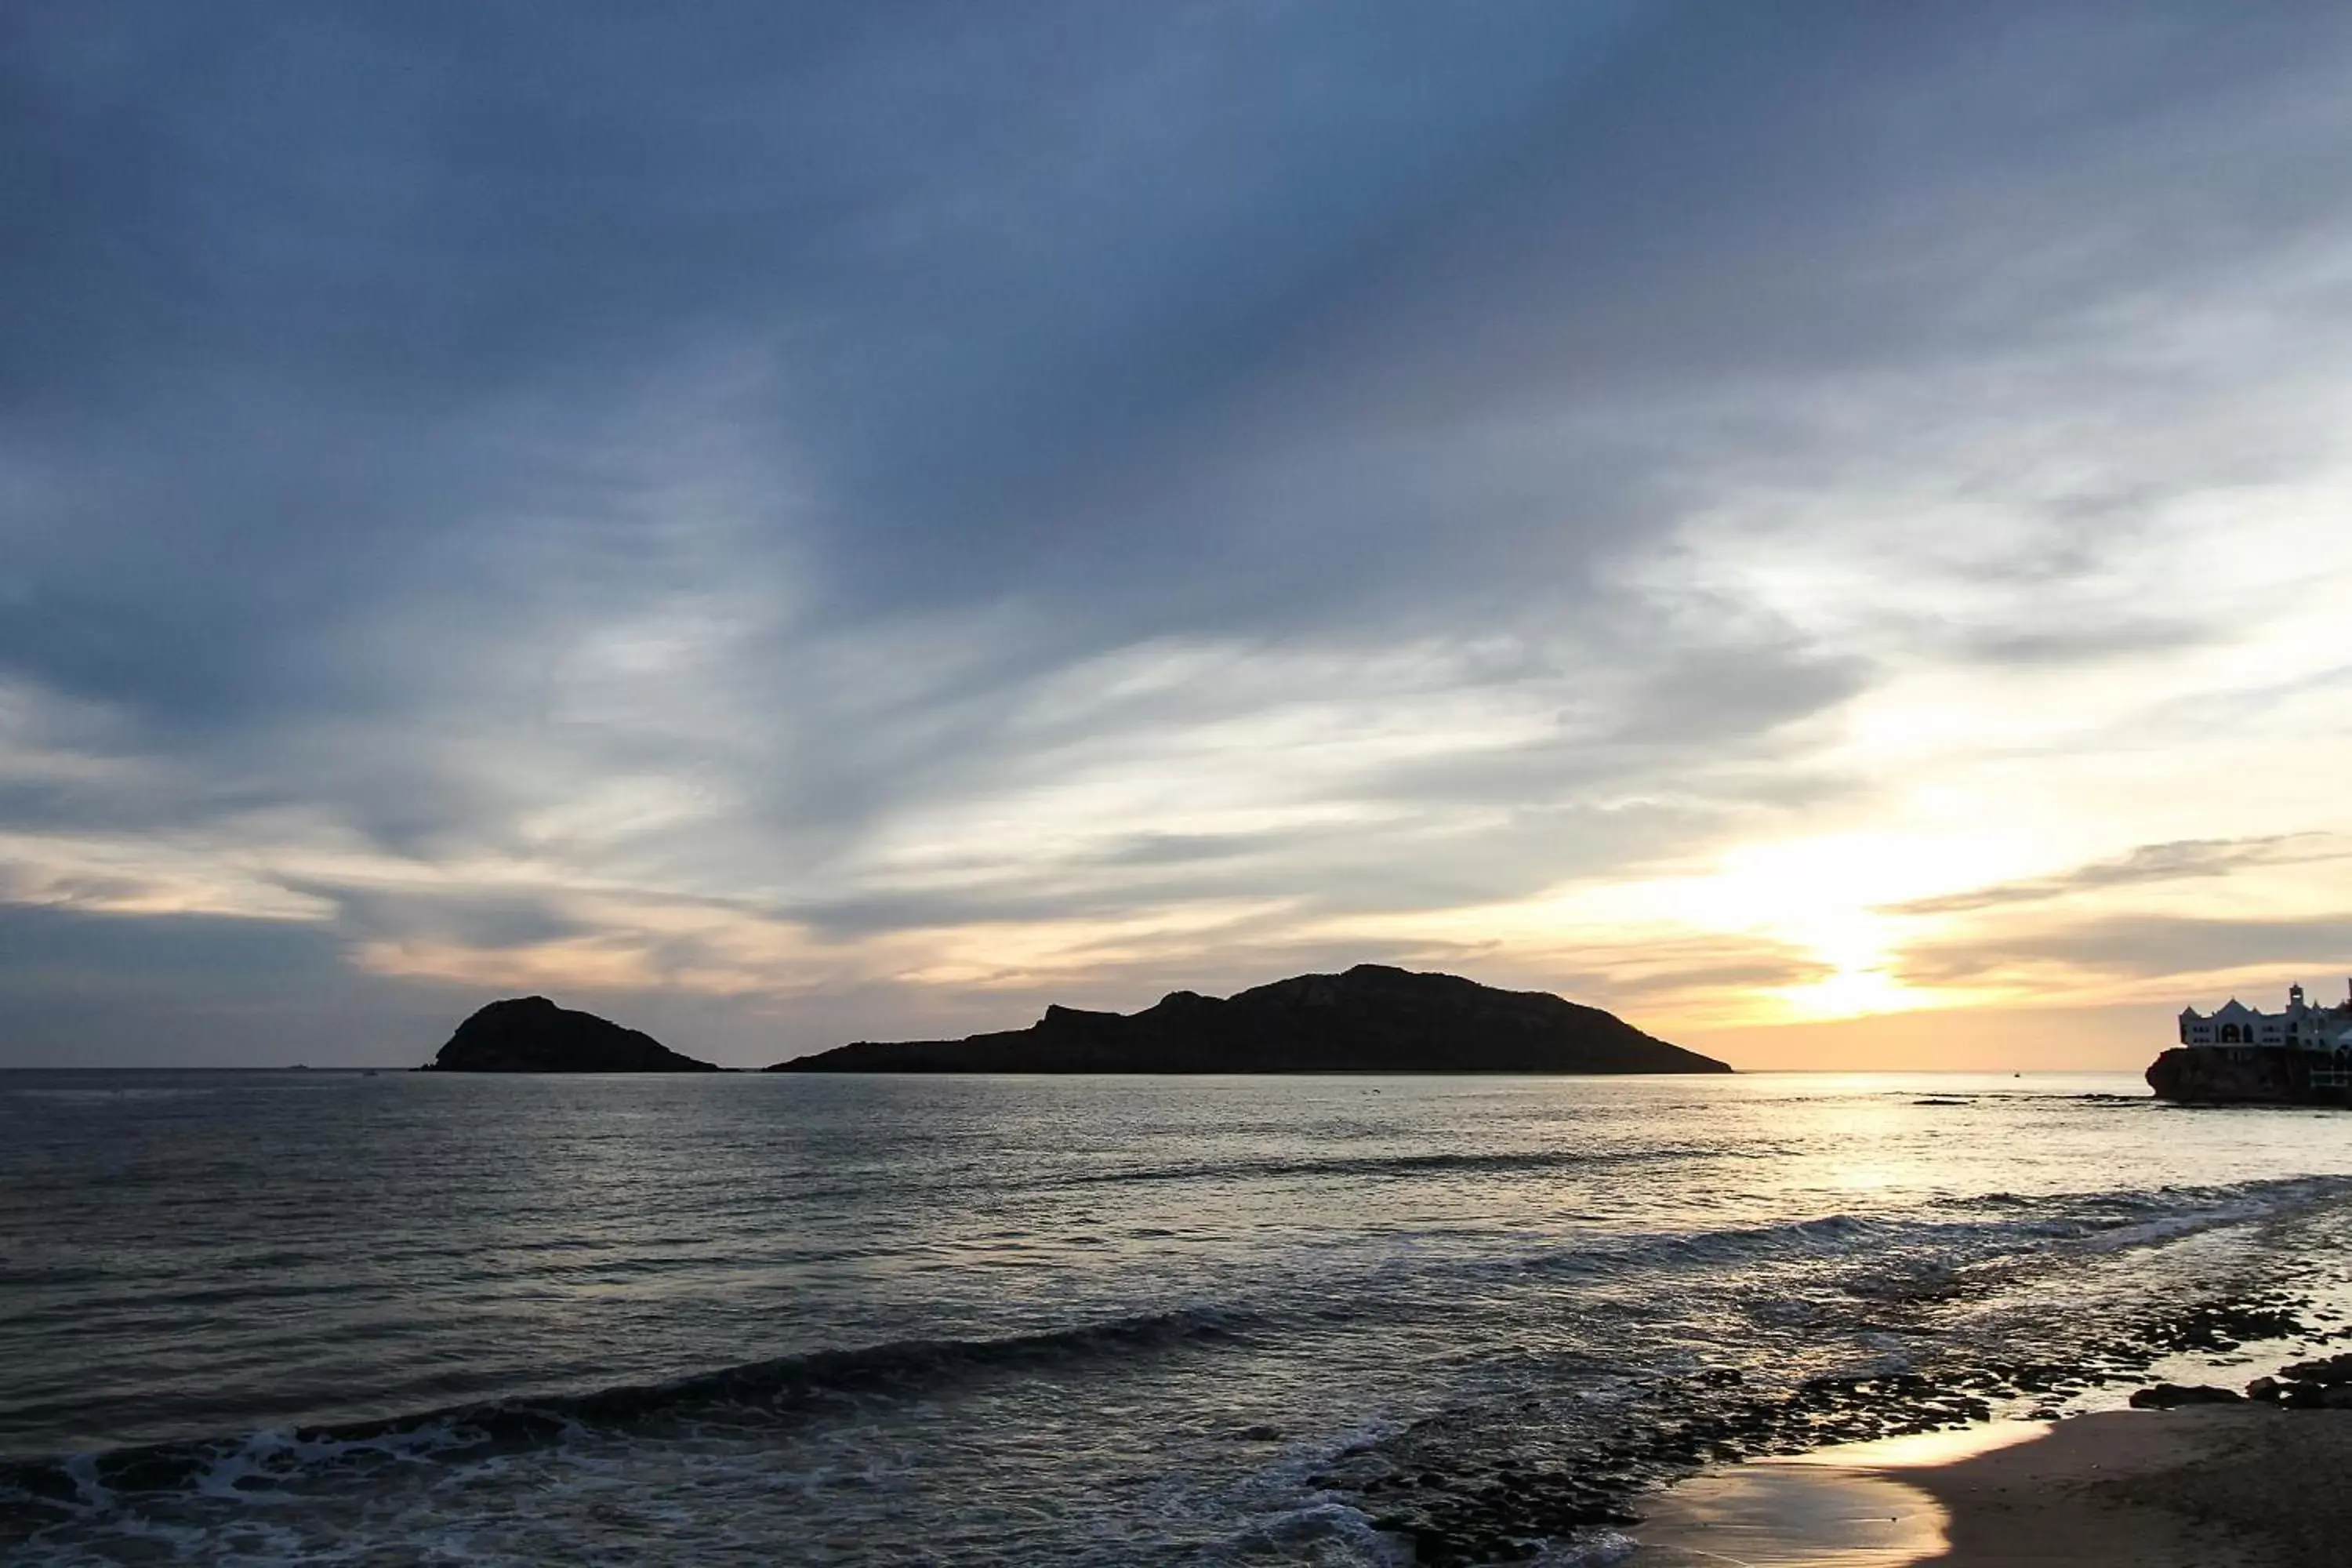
(1377, 1165)
(761, 1391)
(1987, 1228)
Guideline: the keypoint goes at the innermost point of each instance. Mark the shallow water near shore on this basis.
(321, 1316)
(1849, 1506)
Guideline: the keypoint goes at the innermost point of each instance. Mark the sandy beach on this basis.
(2227, 1487)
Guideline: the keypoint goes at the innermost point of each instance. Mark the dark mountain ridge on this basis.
(1371, 1019)
(531, 1034)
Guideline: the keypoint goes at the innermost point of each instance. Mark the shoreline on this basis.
(2240, 1486)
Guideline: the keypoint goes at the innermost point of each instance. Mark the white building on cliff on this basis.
(2301, 1025)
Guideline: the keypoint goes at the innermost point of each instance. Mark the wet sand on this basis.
(2227, 1487)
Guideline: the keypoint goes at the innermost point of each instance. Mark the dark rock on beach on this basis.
(2323, 1385)
(1371, 1019)
(2328, 1372)
(2172, 1395)
(531, 1034)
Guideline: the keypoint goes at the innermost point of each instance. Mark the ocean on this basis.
(323, 1317)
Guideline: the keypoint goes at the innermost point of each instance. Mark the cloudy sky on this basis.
(1821, 527)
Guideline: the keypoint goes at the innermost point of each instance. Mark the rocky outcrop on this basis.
(2173, 1395)
(2323, 1385)
(1371, 1019)
(531, 1034)
(2247, 1076)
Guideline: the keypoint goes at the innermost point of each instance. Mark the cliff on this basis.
(1371, 1019)
(2221, 1076)
(531, 1034)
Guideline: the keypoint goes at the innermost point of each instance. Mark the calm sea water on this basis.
(1083, 1321)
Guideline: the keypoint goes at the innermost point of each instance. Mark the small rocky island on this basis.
(1371, 1019)
(531, 1034)
(2257, 1075)
(2237, 1055)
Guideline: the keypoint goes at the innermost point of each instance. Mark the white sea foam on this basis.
(1597, 1550)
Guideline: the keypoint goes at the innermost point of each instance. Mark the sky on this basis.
(1820, 528)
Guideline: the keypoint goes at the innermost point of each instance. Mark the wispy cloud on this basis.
(2186, 861)
(2183, 951)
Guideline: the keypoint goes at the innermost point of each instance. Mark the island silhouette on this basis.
(531, 1034)
(1372, 1019)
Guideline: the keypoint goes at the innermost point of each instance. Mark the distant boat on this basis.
(300, 1067)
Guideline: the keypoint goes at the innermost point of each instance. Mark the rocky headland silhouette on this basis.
(531, 1034)
(2255, 1076)
(1371, 1019)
